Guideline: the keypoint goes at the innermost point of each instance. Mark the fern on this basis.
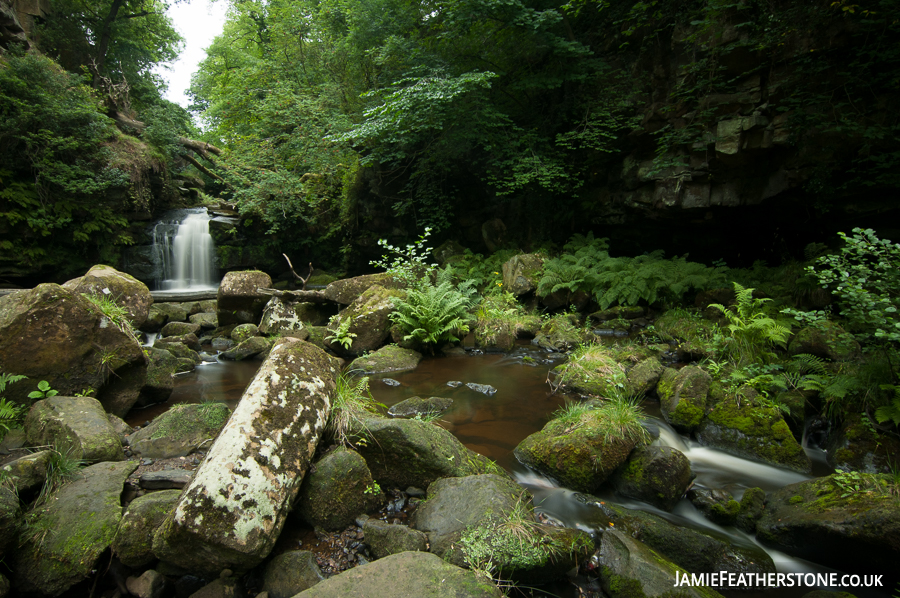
(891, 411)
(752, 330)
(433, 313)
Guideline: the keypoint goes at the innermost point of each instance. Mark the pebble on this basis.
(454, 384)
(390, 382)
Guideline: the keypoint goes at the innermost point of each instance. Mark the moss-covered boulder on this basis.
(753, 503)
(581, 452)
(753, 432)
(160, 381)
(338, 489)
(827, 340)
(232, 512)
(716, 504)
(133, 543)
(49, 333)
(683, 398)
(495, 334)
(76, 426)
(179, 351)
(643, 376)
(405, 574)
(290, 573)
(425, 406)
(206, 321)
(242, 332)
(126, 290)
(71, 531)
(179, 329)
(369, 325)
(390, 358)
(559, 333)
(857, 446)
(522, 273)
(593, 371)
(692, 333)
(406, 452)
(28, 472)
(283, 318)
(385, 538)
(847, 521)
(347, 290)
(239, 300)
(252, 347)
(658, 475)
(180, 431)
(162, 313)
(631, 569)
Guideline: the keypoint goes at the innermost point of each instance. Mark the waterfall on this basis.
(185, 253)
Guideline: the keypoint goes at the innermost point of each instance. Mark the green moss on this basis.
(728, 511)
(182, 420)
(618, 586)
(796, 499)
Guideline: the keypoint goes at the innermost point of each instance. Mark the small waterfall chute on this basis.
(185, 252)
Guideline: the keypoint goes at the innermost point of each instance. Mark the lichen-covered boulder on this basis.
(280, 317)
(252, 347)
(179, 329)
(596, 372)
(369, 324)
(751, 432)
(76, 526)
(180, 431)
(76, 426)
(390, 358)
(133, 543)
(643, 377)
(683, 397)
(232, 512)
(339, 489)
(126, 290)
(579, 452)
(290, 573)
(856, 446)
(406, 452)
(385, 538)
(631, 569)
(239, 300)
(825, 339)
(414, 406)
(522, 273)
(845, 522)
(658, 475)
(405, 574)
(49, 333)
(347, 290)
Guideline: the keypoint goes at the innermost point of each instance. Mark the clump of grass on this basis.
(618, 417)
(115, 313)
(352, 399)
(62, 467)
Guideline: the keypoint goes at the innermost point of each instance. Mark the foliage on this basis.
(43, 391)
(342, 333)
(61, 468)
(752, 330)
(352, 400)
(408, 265)
(435, 312)
(483, 271)
(891, 411)
(10, 413)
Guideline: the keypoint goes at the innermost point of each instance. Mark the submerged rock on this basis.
(76, 426)
(232, 512)
(414, 406)
(390, 358)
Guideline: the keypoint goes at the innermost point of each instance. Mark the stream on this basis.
(494, 424)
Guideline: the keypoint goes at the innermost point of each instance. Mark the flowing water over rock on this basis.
(185, 252)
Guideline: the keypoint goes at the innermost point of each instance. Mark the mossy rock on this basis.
(28, 472)
(827, 340)
(559, 334)
(282, 318)
(716, 504)
(338, 489)
(416, 406)
(857, 446)
(180, 430)
(348, 290)
(290, 573)
(134, 537)
(174, 312)
(390, 358)
(11, 521)
(643, 377)
(385, 538)
(179, 329)
(205, 320)
(828, 521)
(595, 373)
(242, 332)
(684, 404)
(658, 475)
(580, 454)
(692, 333)
(495, 335)
(179, 350)
(255, 346)
(751, 432)
(161, 368)
(77, 426)
(126, 290)
(369, 321)
(522, 273)
(239, 300)
(752, 504)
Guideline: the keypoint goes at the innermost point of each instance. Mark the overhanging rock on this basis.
(232, 512)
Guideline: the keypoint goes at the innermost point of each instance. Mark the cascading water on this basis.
(185, 252)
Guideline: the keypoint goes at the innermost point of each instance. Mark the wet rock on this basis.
(683, 397)
(369, 321)
(283, 318)
(827, 521)
(239, 300)
(414, 406)
(165, 479)
(206, 321)
(407, 452)
(827, 340)
(76, 426)
(134, 537)
(11, 520)
(149, 585)
(522, 273)
(630, 568)
(179, 350)
(180, 431)
(232, 512)
(405, 574)
(161, 368)
(120, 426)
(209, 306)
(658, 475)
(858, 447)
(253, 346)
(337, 490)
(80, 522)
(222, 344)
(495, 334)
(28, 472)
(126, 290)
(390, 358)
(290, 573)
(384, 538)
(347, 290)
(242, 332)
(48, 333)
(485, 389)
(179, 329)
(156, 319)
(390, 382)
(758, 433)
(643, 377)
(717, 505)
(753, 503)
(189, 340)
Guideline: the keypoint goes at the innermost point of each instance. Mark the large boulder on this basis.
(595, 372)
(179, 329)
(232, 512)
(559, 333)
(752, 432)
(338, 489)
(126, 290)
(522, 273)
(29, 472)
(133, 543)
(239, 300)
(682, 397)
(404, 452)
(347, 290)
(283, 318)
(390, 358)
(180, 431)
(643, 377)
(252, 347)
(405, 574)
(49, 333)
(76, 426)
(369, 324)
(658, 475)
(849, 521)
(73, 529)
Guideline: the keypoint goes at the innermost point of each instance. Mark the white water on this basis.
(186, 254)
